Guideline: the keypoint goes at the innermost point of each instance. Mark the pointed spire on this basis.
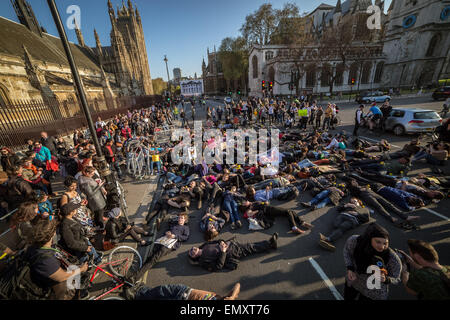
(138, 16)
(79, 34)
(130, 7)
(338, 7)
(207, 50)
(110, 4)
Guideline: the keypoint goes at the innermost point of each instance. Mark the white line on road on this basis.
(379, 141)
(437, 214)
(325, 279)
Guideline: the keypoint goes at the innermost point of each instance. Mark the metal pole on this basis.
(103, 166)
(75, 74)
(168, 76)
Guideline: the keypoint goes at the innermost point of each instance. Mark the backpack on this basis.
(16, 283)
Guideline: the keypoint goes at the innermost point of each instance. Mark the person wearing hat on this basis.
(73, 237)
(362, 251)
(118, 228)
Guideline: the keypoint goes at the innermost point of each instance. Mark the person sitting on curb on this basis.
(350, 216)
(177, 292)
(118, 228)
(220, 254)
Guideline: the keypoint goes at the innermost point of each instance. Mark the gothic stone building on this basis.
(33, 64)
(417, 43)
(410, 49)
(275, 63)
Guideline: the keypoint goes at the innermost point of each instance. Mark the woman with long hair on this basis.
(368, 250)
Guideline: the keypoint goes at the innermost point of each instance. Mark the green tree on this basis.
(159, 85)
(263, 24)
(233, 56)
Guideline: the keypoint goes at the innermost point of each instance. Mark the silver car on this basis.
(403, 121)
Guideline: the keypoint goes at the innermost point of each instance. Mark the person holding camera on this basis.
(424, 276)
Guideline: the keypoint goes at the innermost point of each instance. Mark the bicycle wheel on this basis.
(114, 298)
(123, 259)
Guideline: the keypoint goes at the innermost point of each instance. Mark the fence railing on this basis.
(22, 120)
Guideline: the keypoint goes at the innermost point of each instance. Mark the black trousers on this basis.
(157, 253)
(242, 250)
(292, 217)
(98, 217)
(355, 129)
(351, 293)
(381, 205)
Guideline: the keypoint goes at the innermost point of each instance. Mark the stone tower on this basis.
(128, 44)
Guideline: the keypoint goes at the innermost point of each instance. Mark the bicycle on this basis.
(121, 260)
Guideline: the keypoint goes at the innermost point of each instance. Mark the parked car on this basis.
(403, 121)
(376, 96)
(441, 93)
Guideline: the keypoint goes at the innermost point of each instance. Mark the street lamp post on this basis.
(168, 78)
(103, 168)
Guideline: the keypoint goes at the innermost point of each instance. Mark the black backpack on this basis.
(16, 282)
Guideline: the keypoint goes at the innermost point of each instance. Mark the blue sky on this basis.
(180, 29)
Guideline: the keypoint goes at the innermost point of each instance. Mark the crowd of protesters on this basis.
(336, 169)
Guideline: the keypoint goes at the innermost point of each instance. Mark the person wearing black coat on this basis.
(8, 159)
(219, 254)
(73, 238)
(49, 143)
(118, 228)
(17, 189)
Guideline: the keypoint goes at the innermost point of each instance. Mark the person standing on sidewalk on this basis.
(358, 117)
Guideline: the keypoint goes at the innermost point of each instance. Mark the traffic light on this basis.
(239, 92)
(264, 84)
(270, 84)
(353, 80)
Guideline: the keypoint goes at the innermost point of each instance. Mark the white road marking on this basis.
(325, 279)
(437, 214)
(379, 141)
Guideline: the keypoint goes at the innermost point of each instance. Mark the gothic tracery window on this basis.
(255, 67)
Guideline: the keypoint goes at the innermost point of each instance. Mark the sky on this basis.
(180, 29)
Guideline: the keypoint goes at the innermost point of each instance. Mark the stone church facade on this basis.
(33, 64)
(410, 49)
(417, 43)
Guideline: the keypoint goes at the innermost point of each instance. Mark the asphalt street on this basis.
(300, 269)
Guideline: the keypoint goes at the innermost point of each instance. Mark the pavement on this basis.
(300, 269)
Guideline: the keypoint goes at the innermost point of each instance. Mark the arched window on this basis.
(434, 42)
(353, 74)
(255, 67)
(4, 99)
(339, 80)
(269, 55)
(311, 76)
(366, 72)
(325, 75)
(271, 74)
(378, 72)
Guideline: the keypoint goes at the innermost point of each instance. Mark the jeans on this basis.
(306, 164)
(83, 257)
(232, 207)
(172, 177)
(164, 292)
(157, 253)
(158, 165)
(321, 200)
